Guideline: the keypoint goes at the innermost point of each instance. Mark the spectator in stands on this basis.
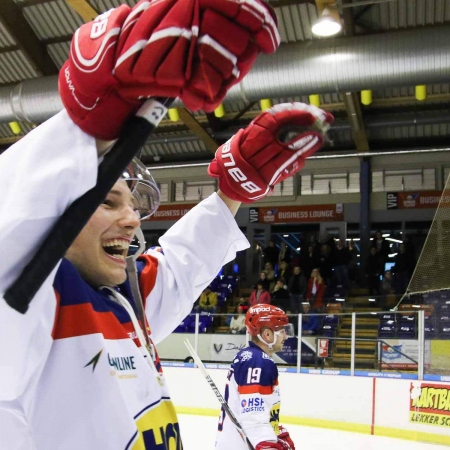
(310, 322)
(402, 269)
(271, 253)
(309, 260)
(284, 271)
(387, 288)
(326, 263)
(297, 289)
(342, 257)
(280, 295)
(284, 254)
(268, 268)
(259, 295)
(189, 360)
(381, 246)
(237, 324)
(263, 280)
(244, 304)
(315, 290)
(409, 249)
(374, 268)
(354, 269)
(207, 301)
(257, 257)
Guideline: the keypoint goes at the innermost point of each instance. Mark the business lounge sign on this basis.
(300, 214)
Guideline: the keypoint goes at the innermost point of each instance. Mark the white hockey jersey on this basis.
(71, 374)
(253, 395)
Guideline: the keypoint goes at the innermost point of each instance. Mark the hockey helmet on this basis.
(264, 315)
(143, 187)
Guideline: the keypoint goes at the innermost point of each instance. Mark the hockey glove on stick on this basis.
(262, 155)
(284, 436)
(269, 445)
(191, 49)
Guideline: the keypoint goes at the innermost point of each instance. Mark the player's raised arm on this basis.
(273, 147)
(171, 48)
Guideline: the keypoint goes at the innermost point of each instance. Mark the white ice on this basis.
(198, 433)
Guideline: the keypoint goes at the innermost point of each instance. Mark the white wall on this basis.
(360, 404)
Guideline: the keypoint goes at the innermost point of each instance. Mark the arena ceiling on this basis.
(387, 47)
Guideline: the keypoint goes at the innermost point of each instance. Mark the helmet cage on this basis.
(145, 191)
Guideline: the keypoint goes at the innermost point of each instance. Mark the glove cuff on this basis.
(102, 117)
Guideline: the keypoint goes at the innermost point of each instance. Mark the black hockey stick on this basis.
(216, 391)
(66, 229)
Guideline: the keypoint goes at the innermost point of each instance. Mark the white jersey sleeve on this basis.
(193, 251)
(39, 177)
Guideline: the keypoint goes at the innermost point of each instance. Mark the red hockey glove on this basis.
(191, 49)
(269, 445)
(284, 436)
(255, 159)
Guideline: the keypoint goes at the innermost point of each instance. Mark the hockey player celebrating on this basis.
(79, 370)
(252, 391)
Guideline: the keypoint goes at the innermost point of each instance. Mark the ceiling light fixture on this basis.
(327, 24)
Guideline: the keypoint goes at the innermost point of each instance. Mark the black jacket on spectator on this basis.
(280, 298)
(297, 284)
(271, 255)
(342, 256)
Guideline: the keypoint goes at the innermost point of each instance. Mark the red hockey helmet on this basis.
(265, 315)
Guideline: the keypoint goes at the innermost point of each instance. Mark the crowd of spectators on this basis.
(306, 281)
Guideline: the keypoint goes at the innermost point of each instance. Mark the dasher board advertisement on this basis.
(397, 354)
(430, 404)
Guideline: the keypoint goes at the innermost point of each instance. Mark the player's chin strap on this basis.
(270, 345)
(134, 282)
(140, 326)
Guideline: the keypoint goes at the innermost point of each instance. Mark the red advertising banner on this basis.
(414, 200)
(304, 213)
(172, 212)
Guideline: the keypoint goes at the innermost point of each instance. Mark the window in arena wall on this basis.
(330, 183)
(445, 176)
(403, 180)
(194, 191)
(285, 188)
(164, 190)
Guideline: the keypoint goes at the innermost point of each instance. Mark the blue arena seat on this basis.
(387, 329)
(444, 331)
(430, 331)
(330, 319)
(327, 331)
(406, 331)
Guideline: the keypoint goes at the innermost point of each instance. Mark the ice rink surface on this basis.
(198, 433)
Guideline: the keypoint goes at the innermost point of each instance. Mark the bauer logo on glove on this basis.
(272, 148)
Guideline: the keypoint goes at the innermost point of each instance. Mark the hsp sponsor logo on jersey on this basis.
(252, 404)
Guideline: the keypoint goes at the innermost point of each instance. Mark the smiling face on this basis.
(100, 249)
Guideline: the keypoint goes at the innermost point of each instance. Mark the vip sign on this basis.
(417, 200)
(323, 348)
(430, 404)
